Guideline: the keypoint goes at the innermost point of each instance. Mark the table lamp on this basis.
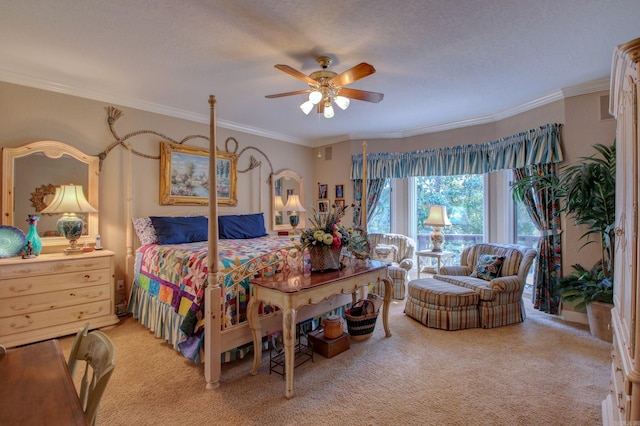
(278, 208)
(69, 200)
(294, 206)
(437, 219)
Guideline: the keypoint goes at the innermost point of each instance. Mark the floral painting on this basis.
(184, 176)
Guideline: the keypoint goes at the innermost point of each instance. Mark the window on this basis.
(463, 195)
(526, 235)
(380, 221)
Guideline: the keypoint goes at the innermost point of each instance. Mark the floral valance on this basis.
(536, 146)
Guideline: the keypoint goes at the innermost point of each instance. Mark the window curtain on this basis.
(374, 189)
(543, 208)
(536, 146)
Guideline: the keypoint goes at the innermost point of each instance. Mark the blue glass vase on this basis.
(33, 237)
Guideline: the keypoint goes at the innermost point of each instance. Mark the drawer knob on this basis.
(20, 289)
(86, 277)
(21, 308)
(18, 326)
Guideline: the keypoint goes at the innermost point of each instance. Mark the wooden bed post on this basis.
(363, 197)
(213, 296)
(129, 260)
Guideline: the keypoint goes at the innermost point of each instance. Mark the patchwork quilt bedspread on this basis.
(177, 273)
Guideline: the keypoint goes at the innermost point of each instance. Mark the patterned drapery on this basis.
(544, 210)
(536, 146)
(374, 189)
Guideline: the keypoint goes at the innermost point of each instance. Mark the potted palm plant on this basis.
(586, 192)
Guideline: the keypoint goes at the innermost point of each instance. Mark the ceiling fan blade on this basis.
(356, 73)
(280, 95)
(297, 74)
(361, 95)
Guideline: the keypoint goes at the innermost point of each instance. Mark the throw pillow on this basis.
(385, 253)
(179, 230)
(240, 226)
(488, 267)
(145, 231)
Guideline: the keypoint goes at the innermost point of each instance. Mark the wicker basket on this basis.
(324, 259)
(361, 319)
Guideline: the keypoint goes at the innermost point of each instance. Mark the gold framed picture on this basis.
(184, 176)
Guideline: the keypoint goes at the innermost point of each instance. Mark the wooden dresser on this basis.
(53, 295)
(622, 404)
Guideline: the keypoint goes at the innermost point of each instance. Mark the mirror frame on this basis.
(53, 150)
(287, 175)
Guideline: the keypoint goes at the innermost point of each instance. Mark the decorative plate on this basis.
(12, 241)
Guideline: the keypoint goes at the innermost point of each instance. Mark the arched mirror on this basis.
(285, 184)
(30, 175)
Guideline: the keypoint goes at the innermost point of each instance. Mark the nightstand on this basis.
(54, 294)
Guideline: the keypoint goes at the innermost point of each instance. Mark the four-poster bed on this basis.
(171, 280)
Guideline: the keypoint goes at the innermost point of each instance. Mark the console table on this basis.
(290, 291)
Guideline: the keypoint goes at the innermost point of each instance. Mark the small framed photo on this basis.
(323, 190)
(339, 204)
(339, 192)
(323, 206)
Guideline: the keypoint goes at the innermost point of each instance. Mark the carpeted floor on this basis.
(540, 372)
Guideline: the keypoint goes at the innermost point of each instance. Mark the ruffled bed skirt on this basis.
(161, 319)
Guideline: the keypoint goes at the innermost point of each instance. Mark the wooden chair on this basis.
(73, 356)
(97, 350)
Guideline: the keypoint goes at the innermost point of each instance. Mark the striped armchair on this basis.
(501, 297)
(398, 250)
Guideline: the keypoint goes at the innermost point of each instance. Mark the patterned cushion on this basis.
(488, 267)
(386, 253)
(145, 230)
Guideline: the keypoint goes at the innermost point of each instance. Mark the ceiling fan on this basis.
(327, 86)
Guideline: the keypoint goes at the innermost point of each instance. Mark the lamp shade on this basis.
(278, 204)
(328, 111)
(342, 102)
(306, 107)
(293, 204)
(437, 217)
(69, 199)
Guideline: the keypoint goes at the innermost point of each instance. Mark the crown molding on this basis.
(25, 80)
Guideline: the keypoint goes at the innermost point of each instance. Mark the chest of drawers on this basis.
(53, 295)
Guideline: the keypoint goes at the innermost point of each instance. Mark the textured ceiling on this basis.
(440, 64)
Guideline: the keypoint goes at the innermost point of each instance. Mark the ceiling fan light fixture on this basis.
(342, 102)
(315, 97)
(306, 107)
(328, 110)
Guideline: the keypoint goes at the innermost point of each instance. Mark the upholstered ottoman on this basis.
(438, 304)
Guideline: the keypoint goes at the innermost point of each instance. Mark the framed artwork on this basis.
(323, 206)
(323, 190)
(184, 176)
(339, 204)
(339, 192)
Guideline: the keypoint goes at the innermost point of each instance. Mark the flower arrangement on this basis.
(326, 231)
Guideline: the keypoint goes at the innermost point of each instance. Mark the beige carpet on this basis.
(541, 372)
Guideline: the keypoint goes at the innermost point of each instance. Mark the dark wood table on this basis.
(293, 290)
(36, 387)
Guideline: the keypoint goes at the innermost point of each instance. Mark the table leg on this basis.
(256, 331)
(289, 331)
(388, 288)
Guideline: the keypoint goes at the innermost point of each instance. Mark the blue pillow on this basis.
(178, 230)
(239, 226)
